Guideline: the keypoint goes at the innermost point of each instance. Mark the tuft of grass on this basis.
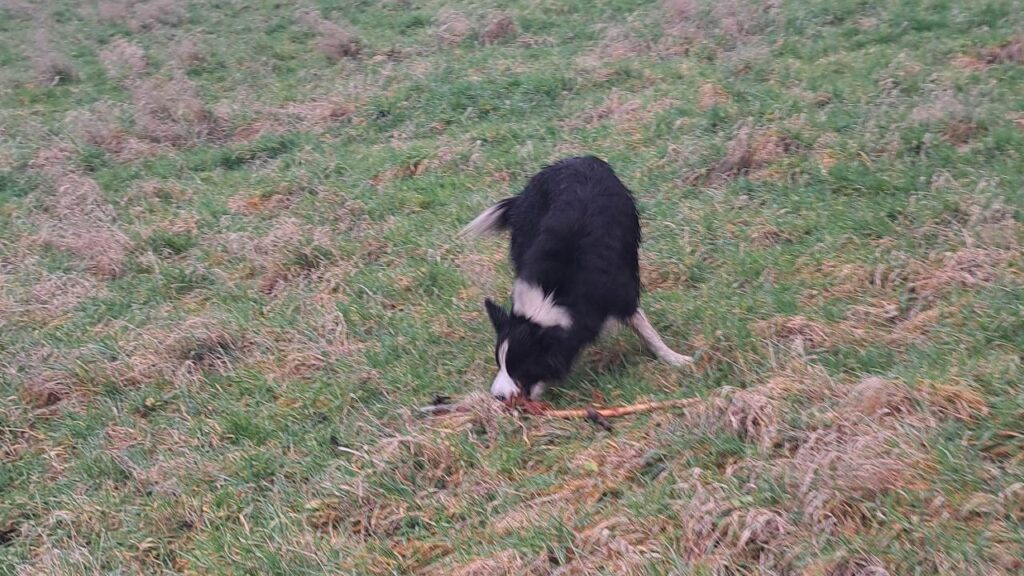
(333, 40)
(50, 66)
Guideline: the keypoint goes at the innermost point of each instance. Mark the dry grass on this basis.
(875, 397)
(710, 95)
(749, 152)
(1012, 52)
(81, 222)
(730, 23)
(288, 251)
(311, 116)
(123, 60)
(189, 53)
(182, 353)
(142, 15)
(720, 536)
(749, 414)
(451, 27)
(102, 125)
(45, 388)
(965, 268)
(507, 562)
(500, 27)
(169, 111)
(958, 400)
(858, 566)
(322, 339)
(50, 66)
(943, 106)
(796, 332)
(838, 469)
(335, 41)
(625, 113)
(988, 223)
(617, 43)
(50, 298)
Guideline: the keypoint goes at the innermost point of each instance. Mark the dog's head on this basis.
(530, 348)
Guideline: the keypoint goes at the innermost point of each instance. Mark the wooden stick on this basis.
(541, 409)
(620, 410)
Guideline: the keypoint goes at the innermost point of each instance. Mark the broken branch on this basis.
(594, 414)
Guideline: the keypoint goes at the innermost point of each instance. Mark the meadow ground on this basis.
(228, 274)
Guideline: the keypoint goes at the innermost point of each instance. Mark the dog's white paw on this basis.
(676, 359)
(538, 390)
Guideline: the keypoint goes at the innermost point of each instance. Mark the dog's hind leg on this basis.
(650, 336)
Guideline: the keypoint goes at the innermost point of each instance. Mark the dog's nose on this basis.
(504, 387)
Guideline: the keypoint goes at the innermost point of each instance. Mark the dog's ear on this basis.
(497, 314)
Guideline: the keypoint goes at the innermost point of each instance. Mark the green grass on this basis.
(210, 360)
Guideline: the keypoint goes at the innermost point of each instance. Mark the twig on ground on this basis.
(596, 415)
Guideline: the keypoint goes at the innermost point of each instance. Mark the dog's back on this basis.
(575, 233)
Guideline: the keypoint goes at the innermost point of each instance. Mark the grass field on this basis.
(229, 274)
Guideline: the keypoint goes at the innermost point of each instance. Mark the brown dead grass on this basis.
(311, 116)
(858, 566)
(181, 353)
(289, 251)
(451, 27)
(321, 339)
(750, 151)
(1011, 52)
(749, 414)
(959, 400)
(875, 397)
(965, 268)
(623, 112)
(988, 223)
(730, 23)
(720, 536)
(50, 66)
(616, 44)
(335, 41)
(476, 411)
(501, 27)
(969, 62)
(507, 562)
(960, 131)
(796, 332)
(102, 125)
(188, 53)
(45, 388)
(619, 545)
(943, 106)
(169, 111)
(710, 95)
(836, 470)
(81, 222)
(51, 298)
(123, 60)
(142, 15)
(661, 276)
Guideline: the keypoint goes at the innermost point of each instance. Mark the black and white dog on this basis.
(575, 243)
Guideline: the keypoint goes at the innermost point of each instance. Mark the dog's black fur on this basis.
(575, 234)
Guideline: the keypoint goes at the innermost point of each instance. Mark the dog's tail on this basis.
(490, 221)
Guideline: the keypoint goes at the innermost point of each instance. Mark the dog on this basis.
(575, 241)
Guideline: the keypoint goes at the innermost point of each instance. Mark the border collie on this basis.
(575, 242)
